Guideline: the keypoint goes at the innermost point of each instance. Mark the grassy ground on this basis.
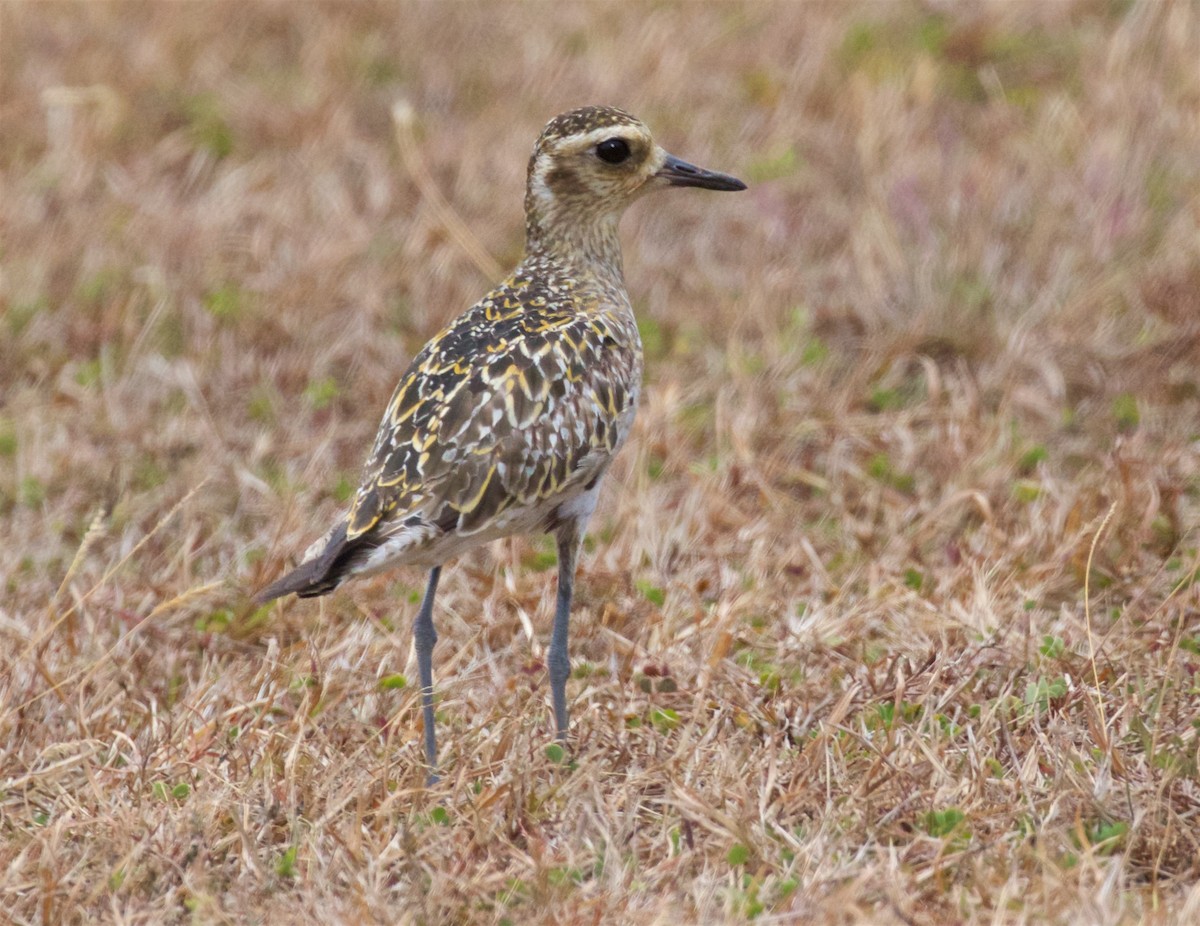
(888, 614)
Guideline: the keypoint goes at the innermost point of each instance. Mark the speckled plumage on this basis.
(506, 421)
(519, 404)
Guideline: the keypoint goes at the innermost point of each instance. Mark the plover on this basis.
(507, 420)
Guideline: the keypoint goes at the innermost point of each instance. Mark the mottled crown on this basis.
(581, 121)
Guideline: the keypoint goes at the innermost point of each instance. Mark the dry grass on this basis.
(889, 612)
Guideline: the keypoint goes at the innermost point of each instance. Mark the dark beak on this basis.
(681, 173)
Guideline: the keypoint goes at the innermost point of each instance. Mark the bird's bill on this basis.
(678, 172)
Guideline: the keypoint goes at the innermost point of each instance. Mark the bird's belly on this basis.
(432, 548)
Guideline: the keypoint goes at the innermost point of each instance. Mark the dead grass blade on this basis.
(404, 121)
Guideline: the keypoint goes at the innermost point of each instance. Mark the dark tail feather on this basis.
(321, 574)
(308, 581)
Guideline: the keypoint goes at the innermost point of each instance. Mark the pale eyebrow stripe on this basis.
(595, 136)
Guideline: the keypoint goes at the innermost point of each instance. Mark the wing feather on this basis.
(525, 395)
(499, 411)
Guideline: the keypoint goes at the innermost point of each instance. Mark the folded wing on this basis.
(511, 407)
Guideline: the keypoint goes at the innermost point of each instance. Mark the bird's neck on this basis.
(589, 246)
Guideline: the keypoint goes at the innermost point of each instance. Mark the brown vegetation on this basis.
(889, 612)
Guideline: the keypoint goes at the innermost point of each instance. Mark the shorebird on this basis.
(507, 420)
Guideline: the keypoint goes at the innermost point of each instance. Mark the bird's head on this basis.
(589, 164)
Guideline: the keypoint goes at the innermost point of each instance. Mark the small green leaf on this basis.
(738, 854)
(1106, 838)
(885, 400)
(555, 753)
(440, 815)
(1027, 490)
(88, 372)
(8, 439)
(285, 865)
(564, 876)
(257, 618)
(344, 489)
(1031, 458)
(778, 163)
(20, 314)
(98, 287)
(218, 621)
(879, 467)
(664, 719)
(396, 680)
(261, 405)
(814, 351)
(1039, 694)
(32, 492)
(225, 302)
(652, 593)
(859, 41)
(207, 125)
(1125, 411)
(654, 341)
(942, 823)
(543, 557)
(321, 392)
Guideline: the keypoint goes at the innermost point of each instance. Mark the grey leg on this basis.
(424, 636)
(559, 663)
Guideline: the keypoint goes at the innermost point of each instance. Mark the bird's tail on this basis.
(307, 581)
(319, 575)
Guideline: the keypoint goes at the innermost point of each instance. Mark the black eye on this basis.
(613, 150)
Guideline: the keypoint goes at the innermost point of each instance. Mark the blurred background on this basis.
(930, 380)
(218, 262)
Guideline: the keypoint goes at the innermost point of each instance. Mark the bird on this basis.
(507, 420)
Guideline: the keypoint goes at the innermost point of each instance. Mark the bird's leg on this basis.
(569, 537)
(424, 636)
